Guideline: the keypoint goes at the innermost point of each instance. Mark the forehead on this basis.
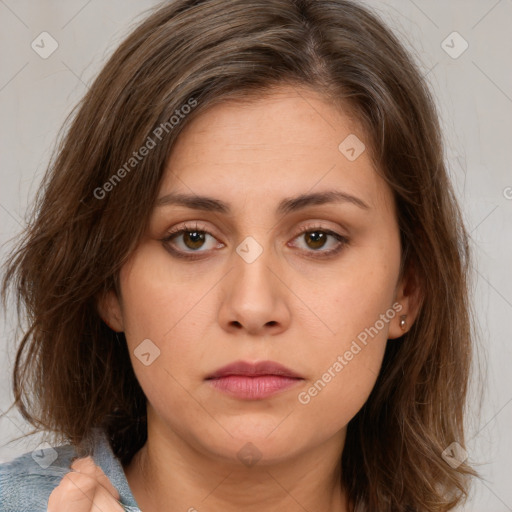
(281, 144)
(299, 119)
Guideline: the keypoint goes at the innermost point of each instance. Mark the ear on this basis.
(410, 296)
(109, 309)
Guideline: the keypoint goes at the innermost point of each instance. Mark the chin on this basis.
(251, 442)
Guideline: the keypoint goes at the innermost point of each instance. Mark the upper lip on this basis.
(254, 370)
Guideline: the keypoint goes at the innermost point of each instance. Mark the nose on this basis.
(254, 298)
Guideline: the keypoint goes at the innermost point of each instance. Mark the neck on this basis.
(168, 474)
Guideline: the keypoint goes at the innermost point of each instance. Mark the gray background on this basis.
(474, 92)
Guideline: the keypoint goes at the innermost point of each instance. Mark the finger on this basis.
(81, 493)
(105, 502)
(87, 467)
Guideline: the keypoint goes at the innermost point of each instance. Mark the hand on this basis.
(85, 489)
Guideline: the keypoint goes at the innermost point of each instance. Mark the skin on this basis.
(286, 306)
(85, 489)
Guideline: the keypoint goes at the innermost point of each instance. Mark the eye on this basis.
(316, 237)
(190, 239)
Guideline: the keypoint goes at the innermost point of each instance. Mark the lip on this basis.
(253, 381)
(257, 369)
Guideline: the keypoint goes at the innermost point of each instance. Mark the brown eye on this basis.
(315, 239)
(190, 242)
(193, 239)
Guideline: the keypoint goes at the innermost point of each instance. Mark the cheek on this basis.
(358, 311)
(158, 299)
(353, 302)
(338, 393)
(366, 288)
(161, 314)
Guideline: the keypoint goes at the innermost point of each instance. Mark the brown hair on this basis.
(73, 373)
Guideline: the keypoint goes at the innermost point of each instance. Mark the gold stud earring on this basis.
(403, 323)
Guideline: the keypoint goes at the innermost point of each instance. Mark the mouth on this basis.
(253, 381)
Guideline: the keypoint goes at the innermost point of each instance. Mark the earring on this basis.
(403, 323)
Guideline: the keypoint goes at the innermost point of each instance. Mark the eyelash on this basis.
(343, 241)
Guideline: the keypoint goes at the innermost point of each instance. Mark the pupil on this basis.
(318, 238)
(195, 238)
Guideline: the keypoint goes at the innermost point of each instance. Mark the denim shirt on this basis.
(27, 481)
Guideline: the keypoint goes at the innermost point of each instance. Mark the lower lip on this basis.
(253, 388)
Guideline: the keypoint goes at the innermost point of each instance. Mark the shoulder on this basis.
(27, 481)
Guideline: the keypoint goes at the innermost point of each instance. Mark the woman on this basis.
(246, 276)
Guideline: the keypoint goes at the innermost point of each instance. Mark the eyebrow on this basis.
(288, 205)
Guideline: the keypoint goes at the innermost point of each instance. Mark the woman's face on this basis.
(292, 259)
